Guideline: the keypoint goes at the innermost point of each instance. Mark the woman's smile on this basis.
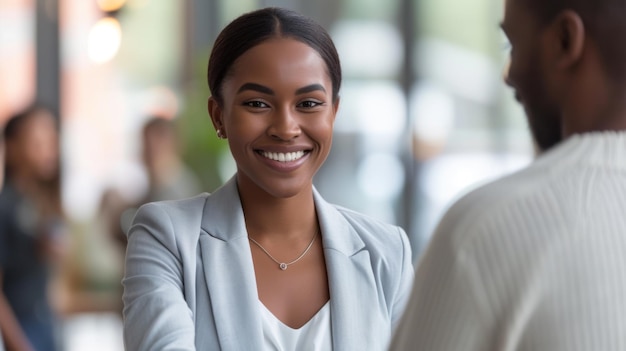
(283, 157)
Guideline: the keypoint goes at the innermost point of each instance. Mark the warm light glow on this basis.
(105, 38)
(110, 5)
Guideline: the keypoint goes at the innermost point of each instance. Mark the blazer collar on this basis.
(223, 219)
(229, 271)
(331, 222)
(223, 216)
(230, 277)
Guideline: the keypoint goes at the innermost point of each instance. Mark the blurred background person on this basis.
(91, 280)
(169, 178)
(31, 230)
(4, 306)
(2, 152)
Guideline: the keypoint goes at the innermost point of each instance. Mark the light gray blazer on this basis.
(190, 285)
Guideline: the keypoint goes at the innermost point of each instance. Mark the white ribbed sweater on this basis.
(534, 261)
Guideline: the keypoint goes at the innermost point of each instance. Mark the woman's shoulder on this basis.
(363, 219)
(170, 215)
(375, 233)
(181, 207)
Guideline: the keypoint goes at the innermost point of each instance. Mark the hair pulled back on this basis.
(255, 27)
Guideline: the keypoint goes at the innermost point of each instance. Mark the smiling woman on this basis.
(277, 99)
(265, 262)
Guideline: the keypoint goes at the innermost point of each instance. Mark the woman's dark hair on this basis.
(15, 123)
(253, 28)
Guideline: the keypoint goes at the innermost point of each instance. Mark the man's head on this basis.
(566, 67)
(603, 24)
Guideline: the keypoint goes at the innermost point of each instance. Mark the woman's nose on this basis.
(285, 125)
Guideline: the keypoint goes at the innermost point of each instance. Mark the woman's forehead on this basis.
(280, 61)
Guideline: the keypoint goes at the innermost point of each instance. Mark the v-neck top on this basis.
(315, 335)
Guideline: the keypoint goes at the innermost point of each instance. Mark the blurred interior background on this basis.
(424, 115)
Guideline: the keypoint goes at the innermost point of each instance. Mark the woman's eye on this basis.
(309, 104)
(255, 104)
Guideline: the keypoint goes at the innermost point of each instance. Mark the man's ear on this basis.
(216, 113)
(570, 36)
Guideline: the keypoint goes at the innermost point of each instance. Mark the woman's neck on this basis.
(290, 218)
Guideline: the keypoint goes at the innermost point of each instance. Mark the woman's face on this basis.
(36, 147)
(278, 116)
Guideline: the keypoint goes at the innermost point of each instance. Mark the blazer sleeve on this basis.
(406, 281)
(156, 315)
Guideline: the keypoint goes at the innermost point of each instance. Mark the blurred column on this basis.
(48, 84)
(409, 204)
(202, 24)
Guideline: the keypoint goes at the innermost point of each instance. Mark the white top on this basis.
(535, 261)
(315, 335)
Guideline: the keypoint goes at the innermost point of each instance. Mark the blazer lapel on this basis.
(355, 305)
(356, 311)
(229, 272)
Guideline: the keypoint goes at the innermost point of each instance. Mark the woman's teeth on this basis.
(284, 157)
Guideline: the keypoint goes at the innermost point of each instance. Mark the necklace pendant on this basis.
(282, 266)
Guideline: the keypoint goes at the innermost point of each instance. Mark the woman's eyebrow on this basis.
(256, 87)
(310, 88)
(265, 90)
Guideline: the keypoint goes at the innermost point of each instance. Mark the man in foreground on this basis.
(536, 261)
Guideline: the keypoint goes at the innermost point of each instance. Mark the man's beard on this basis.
(544, 117)
(545, 127)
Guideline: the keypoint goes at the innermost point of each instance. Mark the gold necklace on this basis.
(282, 265)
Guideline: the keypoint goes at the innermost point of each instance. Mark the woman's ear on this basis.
(216, 113)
